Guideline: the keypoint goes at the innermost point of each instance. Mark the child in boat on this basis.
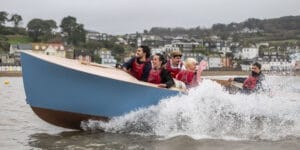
(189, 76)
(158, 74)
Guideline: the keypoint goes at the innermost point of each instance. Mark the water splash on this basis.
(208, 111)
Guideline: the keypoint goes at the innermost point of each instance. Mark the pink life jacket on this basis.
(188, 77)
(154, 76)
(250, 83)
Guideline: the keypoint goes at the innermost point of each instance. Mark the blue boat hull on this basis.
(51, 88)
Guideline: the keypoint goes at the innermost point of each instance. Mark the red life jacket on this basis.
(250, 83)
(173, 71)
(137, 69)
(188, 77)
(154, 76)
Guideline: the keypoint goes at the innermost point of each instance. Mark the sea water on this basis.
(207, 117)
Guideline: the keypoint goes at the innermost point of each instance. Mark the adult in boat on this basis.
(139, 66)
(253, 82)
(189, 76)
(174, 64)
(158, 74)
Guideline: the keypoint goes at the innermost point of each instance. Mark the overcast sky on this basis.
(130, 16)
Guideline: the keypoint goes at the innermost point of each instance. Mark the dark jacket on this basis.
(166, 78)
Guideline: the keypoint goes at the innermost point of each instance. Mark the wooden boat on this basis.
(64, 92)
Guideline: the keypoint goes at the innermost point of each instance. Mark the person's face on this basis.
(192, 66)
(176, 60)
(255, 69)
(156, 62)
(140, 53)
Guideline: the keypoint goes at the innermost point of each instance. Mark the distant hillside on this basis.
(268, 29)
(288, 23)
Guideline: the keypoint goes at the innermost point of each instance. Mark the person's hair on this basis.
(161, 58)
(189, 61)
(176, 53)
(258, 65)
(146, 50)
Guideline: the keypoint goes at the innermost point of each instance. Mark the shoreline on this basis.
(10, 74)
(224, 73)
(246, 73)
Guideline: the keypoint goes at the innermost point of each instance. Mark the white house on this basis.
(225, 50)
(157, 50)
(54, 49)
(95, 35)
(107, 58)
(121, 41)
(92, 35)
(170, 48)
(249, 53)
(214, 62)
(15, 50)
(185, 46)
(245, 67)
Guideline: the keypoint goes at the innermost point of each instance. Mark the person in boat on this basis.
(189, 76)
(174, 65)
(139, 66)
(253, 82)
(158, 74)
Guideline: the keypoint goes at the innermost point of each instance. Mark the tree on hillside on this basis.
(41, 30)
(75, 33)
(3, 17)
(252, 23)
(219, 27)
(68, 24)
(4, 45)
(50, 26)
(118, 52)
(78, 35)
(16, 19)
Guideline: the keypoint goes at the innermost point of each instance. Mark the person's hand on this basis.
(230, 79)
(162, 85)
(124, 68)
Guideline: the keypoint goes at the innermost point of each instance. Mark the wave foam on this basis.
(208, 111)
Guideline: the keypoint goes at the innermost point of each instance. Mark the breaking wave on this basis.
(210, 112)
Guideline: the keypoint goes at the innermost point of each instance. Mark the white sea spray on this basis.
(209, 111)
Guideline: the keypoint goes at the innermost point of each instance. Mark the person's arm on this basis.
(127, 65)
(259, 84)
(239, 79)
(166, 79)
(146, 71)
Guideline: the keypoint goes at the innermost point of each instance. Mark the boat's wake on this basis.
(208, 111)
